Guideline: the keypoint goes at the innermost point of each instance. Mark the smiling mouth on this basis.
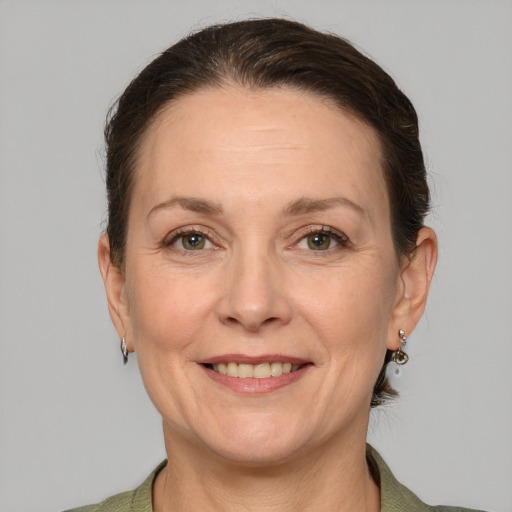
(254, 371)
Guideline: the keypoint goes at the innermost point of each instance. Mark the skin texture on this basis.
(255, 174)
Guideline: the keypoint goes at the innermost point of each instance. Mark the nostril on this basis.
(253, 324)
(252, 308)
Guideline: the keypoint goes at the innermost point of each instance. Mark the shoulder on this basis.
(395, 497)
(138, 500)
(119, 503)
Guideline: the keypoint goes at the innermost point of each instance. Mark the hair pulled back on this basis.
(259, 54)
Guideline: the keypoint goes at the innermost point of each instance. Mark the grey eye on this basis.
(319, 241)
(193, 241)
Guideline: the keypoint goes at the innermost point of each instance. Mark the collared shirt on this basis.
(394, 496)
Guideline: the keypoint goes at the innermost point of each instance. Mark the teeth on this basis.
(232, 370)
(258, 371)
(262, 371)
(245, 371)
(276, 369)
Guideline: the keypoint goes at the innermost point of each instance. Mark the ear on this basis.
(415, 277)
(115, 288)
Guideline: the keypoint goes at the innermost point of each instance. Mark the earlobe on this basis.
(415, 278)
(114, 282)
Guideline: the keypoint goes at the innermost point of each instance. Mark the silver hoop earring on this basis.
(399, 356)
(124, 350)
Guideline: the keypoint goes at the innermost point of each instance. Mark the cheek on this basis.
(168, 313)
(352, 311)
(166, 308)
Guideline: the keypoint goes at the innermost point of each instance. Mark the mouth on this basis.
(255, 375)
(263, 370)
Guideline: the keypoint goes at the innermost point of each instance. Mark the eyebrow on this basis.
(308, 205)
(193, 204)
(298, 207)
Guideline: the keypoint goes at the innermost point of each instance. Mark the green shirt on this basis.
(394, 496)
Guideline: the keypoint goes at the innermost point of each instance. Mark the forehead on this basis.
(232, 110)
(259, 141)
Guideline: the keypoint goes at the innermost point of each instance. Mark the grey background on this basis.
(75, 425)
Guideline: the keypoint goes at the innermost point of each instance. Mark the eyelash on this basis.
(340, 238)
(180, 233)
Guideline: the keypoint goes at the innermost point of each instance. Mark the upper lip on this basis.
(254, 360)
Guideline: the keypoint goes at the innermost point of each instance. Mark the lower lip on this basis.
(256, 386)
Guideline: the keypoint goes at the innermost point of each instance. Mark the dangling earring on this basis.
(399, 356)
(124, 350)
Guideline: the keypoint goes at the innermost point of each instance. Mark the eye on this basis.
(322, 240)
(190, 241)
(318, 241)
(193, 241)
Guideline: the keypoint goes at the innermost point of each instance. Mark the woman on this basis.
(266, 258)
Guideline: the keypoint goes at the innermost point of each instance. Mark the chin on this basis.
(254, 454)
(261, 443)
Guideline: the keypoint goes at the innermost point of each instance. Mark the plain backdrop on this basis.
(75, 425)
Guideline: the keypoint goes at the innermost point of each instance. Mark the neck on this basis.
(332, 478)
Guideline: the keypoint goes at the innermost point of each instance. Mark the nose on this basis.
(254, 297)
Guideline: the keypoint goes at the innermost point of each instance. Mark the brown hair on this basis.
(265, 53)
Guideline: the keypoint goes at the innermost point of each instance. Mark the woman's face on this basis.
(260, 240)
